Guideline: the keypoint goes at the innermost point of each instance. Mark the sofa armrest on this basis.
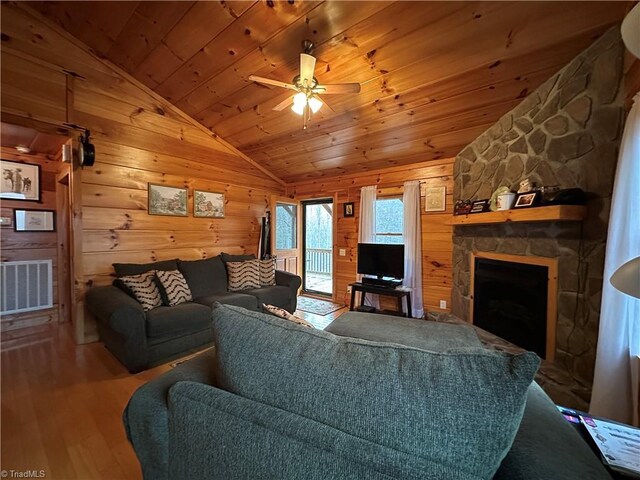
(292, 281)
(217, 434)
(146, 418)
(118, 310)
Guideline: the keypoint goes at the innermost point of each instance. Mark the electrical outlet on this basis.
(443, 304)
(348, 288)
(342, 252)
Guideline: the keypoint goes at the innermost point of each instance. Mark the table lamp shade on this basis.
(627, 278)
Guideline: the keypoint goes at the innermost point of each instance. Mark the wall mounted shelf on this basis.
(552, 213)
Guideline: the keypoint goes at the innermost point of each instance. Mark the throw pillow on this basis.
(453, 413)
(282, 313)
(268, 272)
(175, 287)
(144, 289)
(243, 275)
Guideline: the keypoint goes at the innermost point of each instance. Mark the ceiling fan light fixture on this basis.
(315, 104)
(299, 102)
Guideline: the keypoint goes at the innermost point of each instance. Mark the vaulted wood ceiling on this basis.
(434, 75)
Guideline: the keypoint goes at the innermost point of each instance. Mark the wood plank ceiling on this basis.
(434, 75)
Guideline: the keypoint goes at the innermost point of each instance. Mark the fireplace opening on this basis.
(510, 301)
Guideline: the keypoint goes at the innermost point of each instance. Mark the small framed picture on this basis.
(348, 209)
(208, 204)
(164, 200)
(435, 199)
(25, 220)
(6, 222)
(20, 181)
(479, 206)
(528, 199)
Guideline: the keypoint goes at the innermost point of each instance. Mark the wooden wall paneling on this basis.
(33, 89)
(437, 243)
(139, 138)
(63, 231)
(16, 246)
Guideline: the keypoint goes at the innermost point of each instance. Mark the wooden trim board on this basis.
(552, 289)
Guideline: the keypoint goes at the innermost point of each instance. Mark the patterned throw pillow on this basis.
(282, 313)
(268, 272)
(175, 286)
(144, 289)
(243, 275)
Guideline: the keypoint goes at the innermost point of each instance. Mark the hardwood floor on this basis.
(62, 405)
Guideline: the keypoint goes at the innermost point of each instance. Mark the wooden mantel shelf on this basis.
(552, 213)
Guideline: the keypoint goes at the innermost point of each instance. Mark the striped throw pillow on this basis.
(243, 275)
(175, 286)
(282, 313)
(268, 272)
(144, 289)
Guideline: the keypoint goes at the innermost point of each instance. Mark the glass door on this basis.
(317, 250)
(285, 234)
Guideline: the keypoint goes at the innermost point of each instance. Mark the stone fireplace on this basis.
(566, 133)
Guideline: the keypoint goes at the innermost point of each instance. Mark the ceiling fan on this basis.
(307, 100)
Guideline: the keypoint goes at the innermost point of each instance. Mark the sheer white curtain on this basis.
(367, 227)
(615, 384)
(412, 237)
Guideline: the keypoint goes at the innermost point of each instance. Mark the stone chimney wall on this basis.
(565, 133)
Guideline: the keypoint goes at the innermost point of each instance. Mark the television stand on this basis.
(398, 293)
(382, 282)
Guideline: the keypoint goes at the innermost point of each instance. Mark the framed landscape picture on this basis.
(208, 204)
(20, 181)
(165, 200)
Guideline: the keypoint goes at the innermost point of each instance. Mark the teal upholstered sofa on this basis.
(142, 339)
(375, 397)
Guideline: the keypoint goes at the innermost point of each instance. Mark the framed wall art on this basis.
(208, 204)
(27, 220)
(20, 181)
(165, 200)
(435, 199)
(348, 209)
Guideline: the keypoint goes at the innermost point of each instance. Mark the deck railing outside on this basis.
(319, 260)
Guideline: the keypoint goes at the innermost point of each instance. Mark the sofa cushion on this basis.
(124, 269)
(206, 276)
(456, 411)
(144, 289)
(179, 320)
(230, 298)
(227, 257)
(175, 287)
(277, 295)
(243, 275)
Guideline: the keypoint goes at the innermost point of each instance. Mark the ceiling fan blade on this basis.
(269, 81)
(336, 88)
(284, 104)
(307, 68)
(324, 102)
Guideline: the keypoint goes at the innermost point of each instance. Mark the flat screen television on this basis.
(381, 260)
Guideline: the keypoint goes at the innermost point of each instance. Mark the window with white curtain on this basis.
(389, 220)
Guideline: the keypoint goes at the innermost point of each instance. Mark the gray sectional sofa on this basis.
(142, 339)
(373, 396)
